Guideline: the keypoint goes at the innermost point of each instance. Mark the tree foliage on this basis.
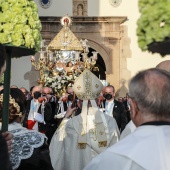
(153, 26)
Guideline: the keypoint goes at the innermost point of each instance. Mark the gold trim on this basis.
(81, 146)
(65, 39)
(102, 144)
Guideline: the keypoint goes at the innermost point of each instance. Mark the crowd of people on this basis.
(87, 128)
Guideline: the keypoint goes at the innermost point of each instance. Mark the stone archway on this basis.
(103, 53)
(100, 64)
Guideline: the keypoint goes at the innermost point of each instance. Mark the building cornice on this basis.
(105, 19)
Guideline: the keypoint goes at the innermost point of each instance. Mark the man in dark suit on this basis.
(113, 107)
(127, 108)
(36, 106)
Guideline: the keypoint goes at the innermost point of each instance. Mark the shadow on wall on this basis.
(125, 53)
(33, 75)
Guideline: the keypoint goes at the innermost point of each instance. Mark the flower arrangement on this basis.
(60, 82)
(20, 24)
(153, 26)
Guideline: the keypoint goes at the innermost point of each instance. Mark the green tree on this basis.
(153, 26)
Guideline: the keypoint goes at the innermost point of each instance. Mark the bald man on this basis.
(34, 108)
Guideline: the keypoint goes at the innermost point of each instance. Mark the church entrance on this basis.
(100, 64)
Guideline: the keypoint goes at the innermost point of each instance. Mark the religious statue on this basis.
(84, 45)
(69, 68)
(58, 68)
(79, 10)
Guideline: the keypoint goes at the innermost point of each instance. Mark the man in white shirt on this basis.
(147, 148)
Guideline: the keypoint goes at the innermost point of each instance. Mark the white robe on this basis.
(147, 148)
(63, 147)
(130, 127)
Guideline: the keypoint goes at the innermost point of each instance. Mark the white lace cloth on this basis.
(23, 144)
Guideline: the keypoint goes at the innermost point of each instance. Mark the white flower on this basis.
(63, 81)
(50, 80)
(162, 24)
(59, 78)
(59, 84)
(69, 78)
(59, 87)
(54, 84)
(75, 77)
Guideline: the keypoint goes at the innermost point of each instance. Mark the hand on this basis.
(100, 100)
(41, 99)
(70, 111)
(32, 58)
(8, 137)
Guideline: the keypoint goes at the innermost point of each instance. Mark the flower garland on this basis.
(60, 82)
(20, 24)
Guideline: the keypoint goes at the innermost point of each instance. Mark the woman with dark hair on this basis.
(29, 148)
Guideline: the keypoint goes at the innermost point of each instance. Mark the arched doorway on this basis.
(100, 64)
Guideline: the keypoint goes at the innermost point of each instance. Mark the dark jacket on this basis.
(119, 113)
(40, 160)
(50, 126)
(58, 110)
(4, 156)
(127, 111)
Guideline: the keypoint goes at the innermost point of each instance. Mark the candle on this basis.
(50, 56)
(95, 55)
(89, 60)
(77, 56)
(32, 58)
(42, 43)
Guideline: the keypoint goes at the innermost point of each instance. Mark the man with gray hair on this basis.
(148, 146)
(130, 127)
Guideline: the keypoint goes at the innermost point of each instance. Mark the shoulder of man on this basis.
(119, 104)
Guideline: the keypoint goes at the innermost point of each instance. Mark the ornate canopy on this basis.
(65, 39)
